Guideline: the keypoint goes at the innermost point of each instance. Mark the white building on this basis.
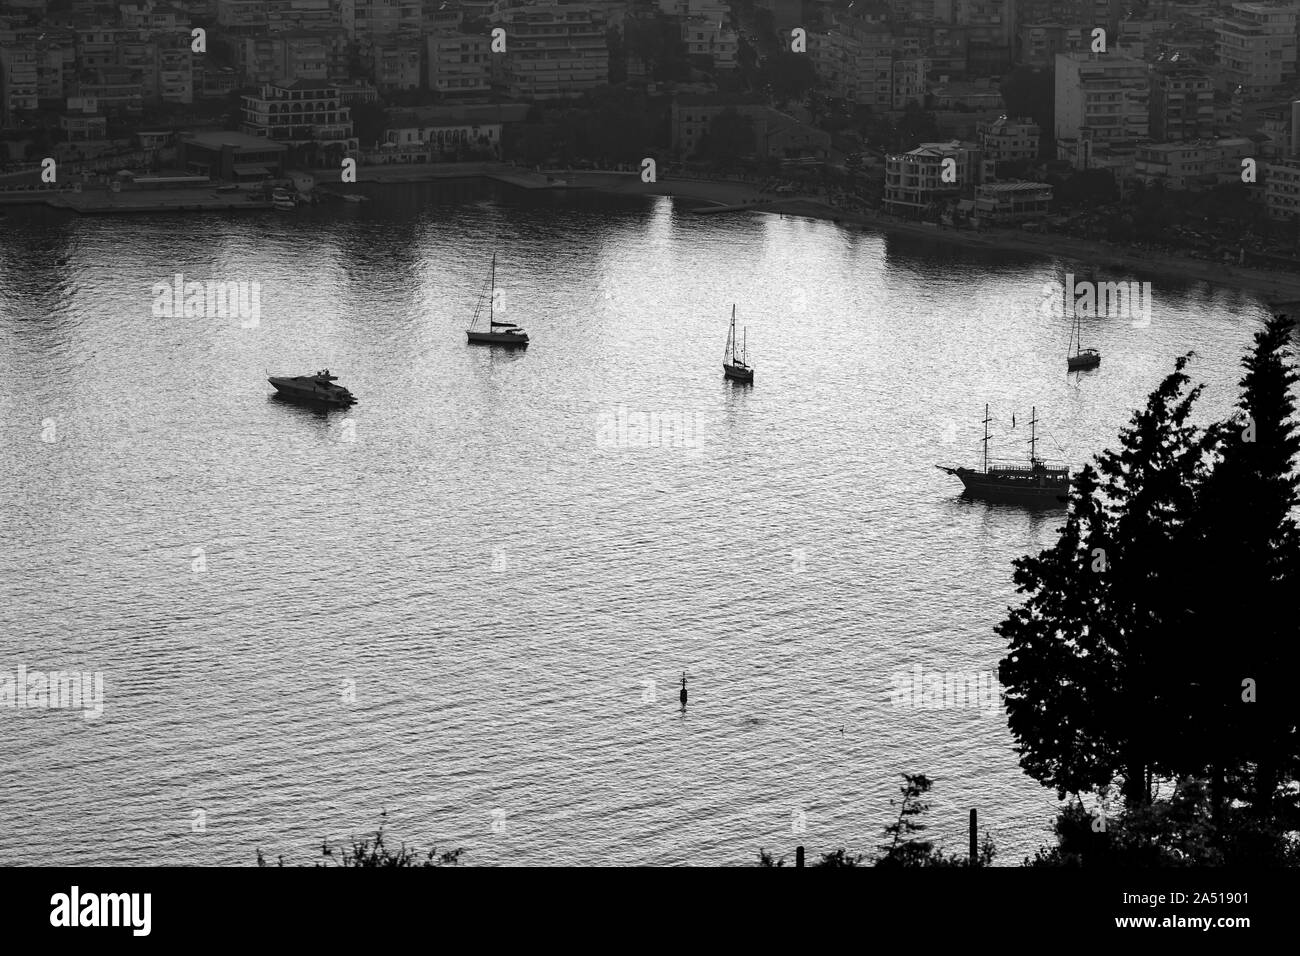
(1256, 46)
(1101, 97)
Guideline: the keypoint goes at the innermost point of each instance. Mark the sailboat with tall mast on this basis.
(736, 365)
(1078, 358)
(1036, 483)
(496, 333)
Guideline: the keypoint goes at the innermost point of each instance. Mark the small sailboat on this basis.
(1078, 359)
(1037, 483)
(496, 333)
(737, 365)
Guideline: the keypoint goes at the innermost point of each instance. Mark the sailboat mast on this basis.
(986, 438)
(492, 293)
(1033, 435)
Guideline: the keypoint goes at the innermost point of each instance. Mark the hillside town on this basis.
(1171, 123)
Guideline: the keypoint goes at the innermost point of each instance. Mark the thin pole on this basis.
(1033, 434)
(798, 856)
(986, 437)
(974, 854)
(492, 294)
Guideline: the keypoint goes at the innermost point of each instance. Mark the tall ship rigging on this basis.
(1036, 482)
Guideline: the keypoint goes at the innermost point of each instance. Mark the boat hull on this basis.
(311, 393)
(741, 373)
(1043, 491)
(510, 339)
(1082, 361)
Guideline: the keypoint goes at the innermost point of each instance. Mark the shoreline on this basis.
(719, 197)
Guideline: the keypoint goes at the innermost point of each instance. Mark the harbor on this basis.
(476, 516)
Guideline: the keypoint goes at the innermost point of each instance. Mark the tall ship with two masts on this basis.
(1037, 482)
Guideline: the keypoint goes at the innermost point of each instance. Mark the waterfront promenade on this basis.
(713, 196)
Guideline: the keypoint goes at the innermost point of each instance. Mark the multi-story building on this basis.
(1256, 46)
(303, 15)
(150, 18)
(711, 38)
(297, 54)
(855, 63)
(305, 111)
(554, 49)
(922, 179)
(1282, 189)
(909, 81)
(370, 19)
(1009, 140)
(1040, 42)
(459, 63)
(776, 134)
(80, 126)
(174, 70)
(1191, 165)
(241, 16)
(1012, 202)
(116, 88)
(1102, 97)
(396, 63)
(990, 34)
(18, 80)
(1182, 104)
(97, 46)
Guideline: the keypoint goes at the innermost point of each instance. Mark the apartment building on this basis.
(1255, 44)
(1009, 140)
(150, 18)
(300, 54)
(909, 81)
(18, 80)
(395, 62)
(915, 181)
(1105, 96)
(1039, 43)
(1282, 189)
(554, 49)
(1012, 202)
(368, 19)
(1191, 165)
(1182, 104)
(305, 111)
(459, 63)
(855, 64)
(712, 39)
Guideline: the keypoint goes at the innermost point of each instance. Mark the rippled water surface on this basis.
(469, 600)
